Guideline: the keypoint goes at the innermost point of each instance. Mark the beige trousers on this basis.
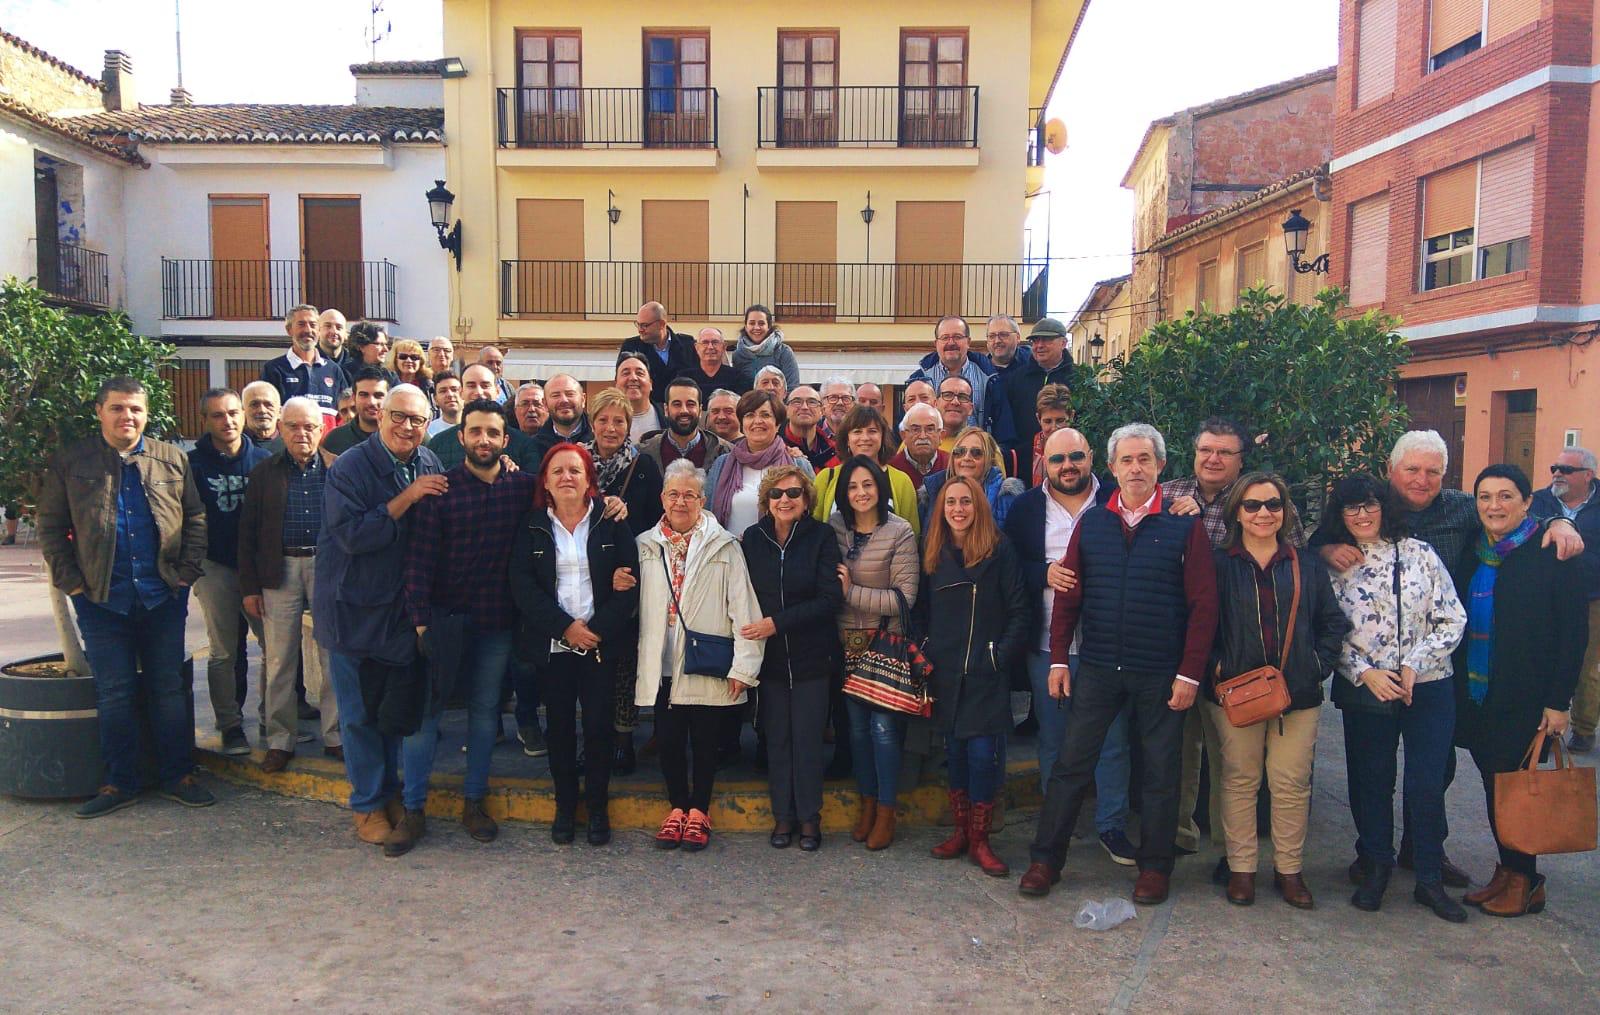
(1586, 702)
(1288, 751)
(287, 638)
(1199, 737)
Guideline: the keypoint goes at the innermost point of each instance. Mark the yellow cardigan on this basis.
(902, 495)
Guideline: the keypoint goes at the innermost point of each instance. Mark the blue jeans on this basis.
(144, 647)
(1114, 769)
(975, 766)
(1370, 740)
(876, 737)
(371, 758)
(491, 651)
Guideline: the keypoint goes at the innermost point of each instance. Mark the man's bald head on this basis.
(1068, 462)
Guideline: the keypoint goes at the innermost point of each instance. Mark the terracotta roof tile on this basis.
(270, 124)
(1227, 210)
(419, 68)
(65, 127)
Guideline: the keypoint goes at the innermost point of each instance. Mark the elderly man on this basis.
(920, 455)
(261, 409)
(633, 380)
(918, 393)
(1573, 494)
(221, 463)
(565, 399)
(442, 357)
(493, 357)
(358, 604)
(123, 532)
(801, 433)
(838, 397)
(712, 370)
(1044, 361)
(447, 402)
(684, 437)
(303, 370)
(279, 526)
(530, 409)
(1146, 593)
(332, 329)
(479, 383)
(665, 352)
(371, 385)
(722, 414)
(770, 378)
(952, 357)
(870, 396)
(955, 409)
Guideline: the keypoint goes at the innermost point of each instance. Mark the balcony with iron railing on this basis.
(551, 127)
(228, 290)
(74, 273)
(873, 125)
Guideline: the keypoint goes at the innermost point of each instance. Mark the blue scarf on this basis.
(1480, 607)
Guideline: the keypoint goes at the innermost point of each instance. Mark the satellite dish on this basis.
(1055, 137)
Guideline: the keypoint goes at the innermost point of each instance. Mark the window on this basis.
(1455, 29)
(677, 72)
(933, 94)
(1503, 258)
(1369, 250)
(1449, 213)
(1251, 268)
(1375, 50)
(1478, 218)
(1205, 286)
(549, 78)
(808, 63)
(1506, 16)
(1447, 260)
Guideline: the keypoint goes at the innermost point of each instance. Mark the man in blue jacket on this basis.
(1574, 495)
(952, 356)
(358, 602)
(220, 463)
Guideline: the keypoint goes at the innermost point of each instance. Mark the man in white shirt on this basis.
(633, 378)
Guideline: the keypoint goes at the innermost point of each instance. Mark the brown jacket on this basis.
(261, 525)
(78, 515)
(888, 561)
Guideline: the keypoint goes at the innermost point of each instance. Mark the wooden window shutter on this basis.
(1252, 267)
(1375, 50)
(1506, 16)
(1449, 200)
(1505, 204)
(1453, 21)
(1369, 250)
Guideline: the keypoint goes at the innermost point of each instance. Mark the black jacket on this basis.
(980, 632)
(1319, 626)
(642, 493)
(680, 357)
(540, 617)
(546, 438)
(1024, 526)
(797, 585)
(1023, 383)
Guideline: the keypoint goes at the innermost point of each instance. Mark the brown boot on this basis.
(869, 810)
(405, 835)
(978, 842)
(882, 828)
(961, 811)
(477, 821)
(1496, 885)
(372, 827)
(1242, 888)
(1294, 891)
(1519, 897)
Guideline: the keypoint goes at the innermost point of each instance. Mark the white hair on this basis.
(303, 404)
(838, 381)
(1136, 431)
(403, 389)
(770, 369)
(682, 467)
(1584, 455)
(906, 419)
(1426, 442)
(245, 394)
(435, 341)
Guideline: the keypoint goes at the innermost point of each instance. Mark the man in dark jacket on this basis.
(563, 396)
(667, 353)
(478, 383)
(332, 329)
(1044, 361)
(303, 370)
(952, 357)
(123, 532)
(220, 463)
(1147, 596)
(1573, 494)
(684, 437)
(371, 387)
(358, 601)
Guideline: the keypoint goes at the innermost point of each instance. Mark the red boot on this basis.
(978, 832)
(961, 810)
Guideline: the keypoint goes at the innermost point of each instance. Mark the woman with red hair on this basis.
(574, 577)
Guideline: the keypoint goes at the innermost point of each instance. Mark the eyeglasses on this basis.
(1252, 506)
(1222, 453)
(810, 403)
(993, 335)
(399, 418)
(966, 452)
(644, 327)
(922, 430)
(955, 396)
(1070, 456)
(680, 497)
(839, 399)
(408, 357)
(1566, 470)
(780, 492)
(1370, 507)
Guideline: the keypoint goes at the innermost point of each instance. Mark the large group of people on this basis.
(716, 540)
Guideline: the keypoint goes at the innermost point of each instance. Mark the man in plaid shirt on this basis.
(456, 567)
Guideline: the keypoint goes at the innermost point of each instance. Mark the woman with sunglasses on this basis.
(974, 455)
(793, 563)
(1392, 684)
(1262, 582)
(407, 362)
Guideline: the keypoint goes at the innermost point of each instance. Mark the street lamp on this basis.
(439, 201)
(866, 217)
(1295, 228)
(1097, 347)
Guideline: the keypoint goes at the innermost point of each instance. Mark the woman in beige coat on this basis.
(689, 561)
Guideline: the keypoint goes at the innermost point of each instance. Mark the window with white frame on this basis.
(1477, 218)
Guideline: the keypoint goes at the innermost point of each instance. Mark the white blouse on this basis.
(745, 508)
(1433, 618)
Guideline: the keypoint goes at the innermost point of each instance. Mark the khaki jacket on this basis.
(78, 515)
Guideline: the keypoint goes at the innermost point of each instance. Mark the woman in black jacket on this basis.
(1256, 578)
(574, 577)
(793, 561)
(973, 586)
(1516, 670)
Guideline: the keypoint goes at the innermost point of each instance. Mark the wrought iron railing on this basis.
(226, 290)
(607, 117)
(878, 116)
(81, 275)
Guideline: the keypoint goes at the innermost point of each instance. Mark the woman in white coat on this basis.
(691, 577)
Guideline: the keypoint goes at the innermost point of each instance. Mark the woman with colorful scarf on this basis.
(1527, 626)
(1392, 684)
(734, 482)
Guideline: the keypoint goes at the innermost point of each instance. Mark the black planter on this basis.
(50, 735)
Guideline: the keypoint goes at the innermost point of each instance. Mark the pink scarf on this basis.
(732, 476)
(677, 556)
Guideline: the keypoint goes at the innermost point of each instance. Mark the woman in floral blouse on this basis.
(1393, 683)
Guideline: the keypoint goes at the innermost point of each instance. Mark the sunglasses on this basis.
(966, 453)
(1566, 470)
(1253, 506)
(408, 357)
(780, 492)
(1070, 456)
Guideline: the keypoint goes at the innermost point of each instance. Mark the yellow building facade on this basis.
(715, 155)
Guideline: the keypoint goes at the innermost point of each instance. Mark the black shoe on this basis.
(532, 738)
(782, 835)
(189, 792)
(234, 741)
(1118, 847)
(810, 836)
(1221, 872)
(1443, 906)
(599, 826)
(1369, 897)
(107, 800)
(623, 760)
(564, 828)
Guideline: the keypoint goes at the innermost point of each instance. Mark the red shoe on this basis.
(961, 810)
(1038, 878)
(696, 830)
(1151, 888)
(979, 851)
(671, 833)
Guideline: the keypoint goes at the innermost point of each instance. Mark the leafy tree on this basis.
(1318, 388)
(52, 362)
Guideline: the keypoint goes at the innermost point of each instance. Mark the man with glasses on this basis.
(920, 455)
(442, 357)
(802, 433)
(838, 397)
(1043, 362)
(1574, 495)
(666, 352)
(955, 408)
(371, 385)
(530, 409)
(304, 370)
(952, 357)
(712, 370)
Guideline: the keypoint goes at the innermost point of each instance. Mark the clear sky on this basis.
(1133, 61)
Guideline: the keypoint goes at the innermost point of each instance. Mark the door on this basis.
(928, 243)
(1432, 404)
(677, 73)
(330, 238)
(808, 89)
(807, 238)
(677, 247)
(1522, 415)
(549, 90)
(48, 240)
(239, 259)
(933, 78)
(549, 277)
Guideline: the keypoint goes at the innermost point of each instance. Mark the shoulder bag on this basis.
(1262, 693)
(1546, 810)
(704, 655)
(891, 673)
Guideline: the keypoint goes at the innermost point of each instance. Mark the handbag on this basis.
(704, 655)
(1546, 810)
(1262, 693)
(891, 673)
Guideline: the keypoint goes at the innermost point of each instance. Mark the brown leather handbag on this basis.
(1262, 693)
(1546, 810)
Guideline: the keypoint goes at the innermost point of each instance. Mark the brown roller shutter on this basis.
(677, 237)
(1505, 207)
(1506, 16)
(807, 236)
(1452, 21)
(239, 254)
(1369, 250)
(1375, 50)
(1450, 200)
(928, 235)
(243, 371)
(1252, 267)
(549, 276)
(189, 379)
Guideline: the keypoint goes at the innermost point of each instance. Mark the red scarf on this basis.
(677, 554)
